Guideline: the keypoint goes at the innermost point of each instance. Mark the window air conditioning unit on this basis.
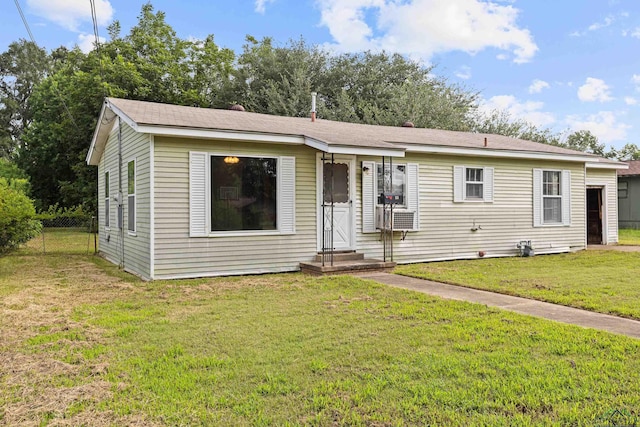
(402, 220)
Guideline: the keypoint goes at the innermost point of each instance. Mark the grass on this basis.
(84, 344)
(629, 237)
(602, 281)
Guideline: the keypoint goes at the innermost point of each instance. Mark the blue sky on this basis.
(564, 64)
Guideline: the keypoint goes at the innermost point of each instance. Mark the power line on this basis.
(24, 20)
(33, 40)
(94, 18)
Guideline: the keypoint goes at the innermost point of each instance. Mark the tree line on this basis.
(50, 101)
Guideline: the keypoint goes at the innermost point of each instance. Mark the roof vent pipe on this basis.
(313, 106)
(485, 141)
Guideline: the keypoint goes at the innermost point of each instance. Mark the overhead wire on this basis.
(33, 40)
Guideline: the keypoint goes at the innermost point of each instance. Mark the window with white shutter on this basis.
(472, 184)
(551, 197)
(233, 194)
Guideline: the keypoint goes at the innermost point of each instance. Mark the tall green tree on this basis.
(584, 140)
(22, 66)
(150, 63)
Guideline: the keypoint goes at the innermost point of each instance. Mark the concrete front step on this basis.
(341, 256)
(347, 267)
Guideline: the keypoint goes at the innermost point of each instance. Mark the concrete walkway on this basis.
(621, 248)
(559, 313)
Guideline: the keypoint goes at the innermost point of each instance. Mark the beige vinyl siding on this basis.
(445, 226)
(136, 257)
(178, 255)
(608, 179)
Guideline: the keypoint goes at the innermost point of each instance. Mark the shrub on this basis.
(17, 218)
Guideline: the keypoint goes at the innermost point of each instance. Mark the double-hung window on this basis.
(107, 219)
(472, 184)
(551, 197)
(392, 181)
(131, 196)
(231, 194)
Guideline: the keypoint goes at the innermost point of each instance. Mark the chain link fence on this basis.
(67, 231)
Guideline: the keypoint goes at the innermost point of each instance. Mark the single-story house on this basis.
(629, 196)
(193, 192)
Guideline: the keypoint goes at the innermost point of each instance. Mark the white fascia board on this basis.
(620, 166)
(100, 135)
(346, 149)
(462, 151)
(221, 134)
(123, 116)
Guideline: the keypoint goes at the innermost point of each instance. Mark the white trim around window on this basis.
(200, 195)
(132, 182)
(551, 198)
(473, 184)
(107, 201)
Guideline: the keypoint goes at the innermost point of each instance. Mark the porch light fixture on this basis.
(231, 160)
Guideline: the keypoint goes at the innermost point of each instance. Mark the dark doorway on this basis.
(594, 216)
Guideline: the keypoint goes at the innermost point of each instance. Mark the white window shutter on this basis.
(458, 184)
(566, 197)
(537, 197)
(287, 195)
(197, 194)
(413, 193)
(368, 197)
(487, 185)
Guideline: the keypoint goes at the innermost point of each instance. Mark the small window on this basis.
(131, 196)
(551, 197)
(243, 193)
(474, 183)
(393, 184)
(623, 189)
(107, 203)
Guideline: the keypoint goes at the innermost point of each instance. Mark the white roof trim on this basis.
(488, 152)
(594, 165)
(100, 135)
(220, 134)
(348, 149)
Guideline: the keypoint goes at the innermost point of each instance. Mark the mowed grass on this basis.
(629, 237)
(602, 281)
(84, 344)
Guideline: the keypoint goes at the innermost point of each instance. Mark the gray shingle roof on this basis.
(330, 132)
(634, 168)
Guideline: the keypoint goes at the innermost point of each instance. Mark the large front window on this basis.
(551, 197)
(392, 181)
(243, 193)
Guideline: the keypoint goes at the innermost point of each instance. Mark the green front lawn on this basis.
(84, 344)
(629, 237)
(603, 281)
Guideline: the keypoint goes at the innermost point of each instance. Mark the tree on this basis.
(151, 63)
(22, 67)
(17, 217)
(584, 140)
(500, 122)
(626, 153)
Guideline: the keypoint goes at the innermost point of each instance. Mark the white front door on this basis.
(336, 183)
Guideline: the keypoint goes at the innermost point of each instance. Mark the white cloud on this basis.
(71, 13)
(598, 25)
(426, 27)
(635, 79)
(464, 73)
(604, 125)
(86, 42)
(527, 110)
(633, 33)
(594, 90)
(538, 85)
(261, 5)
(630, 100)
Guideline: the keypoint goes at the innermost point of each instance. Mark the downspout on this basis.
(120, 204)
